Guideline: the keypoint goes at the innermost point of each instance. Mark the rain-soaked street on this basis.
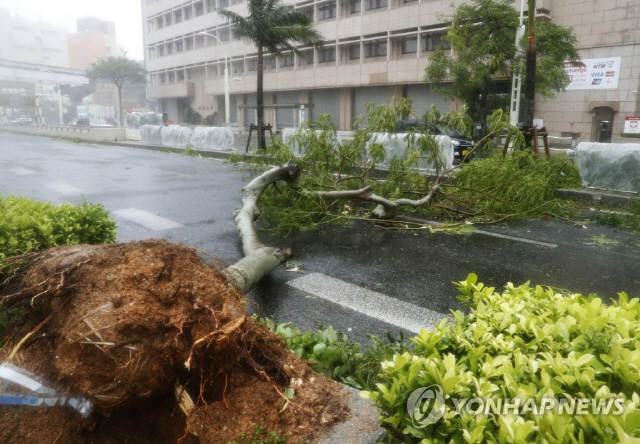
(358, 278)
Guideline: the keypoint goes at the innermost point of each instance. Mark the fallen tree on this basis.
(150, 330)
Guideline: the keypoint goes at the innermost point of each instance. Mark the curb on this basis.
(587, 196)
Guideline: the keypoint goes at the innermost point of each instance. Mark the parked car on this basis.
(462, 145)
(82, 121)
(23, 121)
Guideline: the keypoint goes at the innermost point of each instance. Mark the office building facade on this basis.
(374, 50)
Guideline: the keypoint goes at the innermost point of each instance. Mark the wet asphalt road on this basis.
(197, 197)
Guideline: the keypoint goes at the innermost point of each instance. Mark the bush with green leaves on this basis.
(27, 225)
(524, 343)
(334, 355)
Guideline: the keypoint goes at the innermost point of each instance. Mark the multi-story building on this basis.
(95, 39)
(374, 50)
(32, 41)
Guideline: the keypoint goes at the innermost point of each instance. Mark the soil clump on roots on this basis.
(136, 327)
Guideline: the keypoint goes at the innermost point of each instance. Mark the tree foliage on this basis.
(118, 70)
(494, 189)
(274, 27)
(482, 34)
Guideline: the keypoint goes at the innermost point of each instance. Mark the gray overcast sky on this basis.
(125, 13)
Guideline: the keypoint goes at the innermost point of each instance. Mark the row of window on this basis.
(322, 11)
(351, 52)
(375, 48)
(187, 12)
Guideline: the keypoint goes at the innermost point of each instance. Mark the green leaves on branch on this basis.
(527, 343)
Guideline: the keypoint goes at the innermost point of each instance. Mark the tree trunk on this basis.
(259, 259)
(530, 79)
(260, 100)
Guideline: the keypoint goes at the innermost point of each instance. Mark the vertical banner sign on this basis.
(632, 125)
(593, 73)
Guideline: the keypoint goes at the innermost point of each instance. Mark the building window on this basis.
(252, 65)
(431, 42)
(180, 76)
(171, 77)
(163, 78)
(376, 48)
(199, 9)
(307, 56)
(178, 15)
(269, 63)
(223, 3)
(238, 67)
(326, 55)
(286, 60)
(327, 11)
(179, 46)
(188, 43)
(308, 12)
(224, 34)
(188, 12)
(167, 20)
(211, 5)
(356, 6)
(169, 48)
(354, 51)
(409, 1)
(161, 51)
(159, 22)
(377, 4)
(409, 45)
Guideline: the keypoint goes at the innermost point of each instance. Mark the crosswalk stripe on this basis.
(156, 223)
(64, 188)
(370, 303)
(22, 171)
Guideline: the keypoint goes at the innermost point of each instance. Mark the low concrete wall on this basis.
(70, 132)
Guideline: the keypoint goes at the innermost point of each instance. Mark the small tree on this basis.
(482, 35)
(118, 70)
(273, 26)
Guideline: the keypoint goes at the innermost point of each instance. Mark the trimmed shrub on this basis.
(530, 344)
(26, 225)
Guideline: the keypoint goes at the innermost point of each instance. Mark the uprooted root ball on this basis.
(125, 323)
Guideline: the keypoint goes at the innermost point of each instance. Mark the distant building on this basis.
(375, 50)
(95, 39)
(32, 41)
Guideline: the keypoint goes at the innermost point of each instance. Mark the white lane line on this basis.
(22, 171)
(518, 239)
(486, 233)
(156, 223)
(63, 188)
(376, 305)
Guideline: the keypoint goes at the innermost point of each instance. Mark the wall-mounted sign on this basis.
(593, 73)
(632, 125)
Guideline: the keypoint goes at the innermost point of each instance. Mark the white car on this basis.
(23, 121)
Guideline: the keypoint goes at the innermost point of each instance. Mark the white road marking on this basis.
(156, 223)
(22, 171)
(370, 303)
(63, 188)
(486, 233)
(518, 239)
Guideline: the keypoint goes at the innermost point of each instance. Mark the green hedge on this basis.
(26, 225)
(527, 343)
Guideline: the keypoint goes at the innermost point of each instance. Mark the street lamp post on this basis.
(227, 110)
(516, 82)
